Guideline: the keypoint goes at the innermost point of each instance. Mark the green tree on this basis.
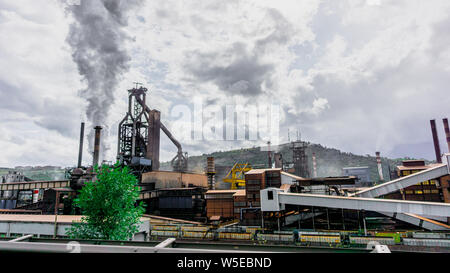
(108, 205)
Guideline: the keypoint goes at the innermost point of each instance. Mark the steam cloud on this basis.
(97, 38)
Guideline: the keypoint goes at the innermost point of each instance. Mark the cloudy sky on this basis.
(357, 75)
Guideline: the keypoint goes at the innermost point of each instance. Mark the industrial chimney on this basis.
(269, 153)
(80, 152)
(97, 145)
(447, 132)
(437, 148)
(211, 173)
(314, 165)
(380, 168)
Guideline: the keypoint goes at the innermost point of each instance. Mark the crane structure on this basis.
(236, 175)
(139, 135)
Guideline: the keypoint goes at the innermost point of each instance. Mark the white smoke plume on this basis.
(97, 39)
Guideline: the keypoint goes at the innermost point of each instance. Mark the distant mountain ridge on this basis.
(329, 161)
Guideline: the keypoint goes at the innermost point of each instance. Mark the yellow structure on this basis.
(236, 175)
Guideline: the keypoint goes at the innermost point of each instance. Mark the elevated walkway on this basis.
(404, 182)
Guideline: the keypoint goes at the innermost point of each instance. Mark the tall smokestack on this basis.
(447, 132)
(314, 165)
(269, 153)
(380, 168)
(437, 148)
(98, 130)
(80, 152)
(211, 173)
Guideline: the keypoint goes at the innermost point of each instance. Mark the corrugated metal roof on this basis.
(239, 193)
(292, 176)
(260, 171)
(221, 191)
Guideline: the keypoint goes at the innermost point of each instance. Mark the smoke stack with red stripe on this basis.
(314, 165)
(380, 168)
(437, 148)
(447, 132)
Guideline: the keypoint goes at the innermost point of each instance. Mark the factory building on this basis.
(424, 191)
(362, 174)
(9, 199)
(164, 180)
(220, 203)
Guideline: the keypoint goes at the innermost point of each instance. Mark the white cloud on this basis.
(357, 75)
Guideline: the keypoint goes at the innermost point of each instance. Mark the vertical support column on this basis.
(328, 220)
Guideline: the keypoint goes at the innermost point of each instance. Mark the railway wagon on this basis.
(428, 235)
(164, 233)
(427, 242)
(194, 229)
(165, 227)
(397, 236)
(364, 240)
(235, 236)
(316, 239)
(198, 235)
(279, 238)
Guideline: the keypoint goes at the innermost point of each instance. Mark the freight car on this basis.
(275, 238)
(445, 243)
(235, 236)
(313, 239)
(362, 241)
(198, 235)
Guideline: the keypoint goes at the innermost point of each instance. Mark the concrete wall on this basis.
(164, 179)
(40, 229)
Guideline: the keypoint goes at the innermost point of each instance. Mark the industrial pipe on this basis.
(447, 132)
(437, 148)
(97, 145)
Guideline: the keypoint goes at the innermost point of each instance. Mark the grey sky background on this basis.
(356, 75)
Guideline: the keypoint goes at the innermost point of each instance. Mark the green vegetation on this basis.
(109, 206)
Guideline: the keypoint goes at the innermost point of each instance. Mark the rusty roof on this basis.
(292, 176)
(260, 171)
(221, 191)
(239, 193)
(413, 168)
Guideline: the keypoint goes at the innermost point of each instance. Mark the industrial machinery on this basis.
(139, 136)
(236, 175)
